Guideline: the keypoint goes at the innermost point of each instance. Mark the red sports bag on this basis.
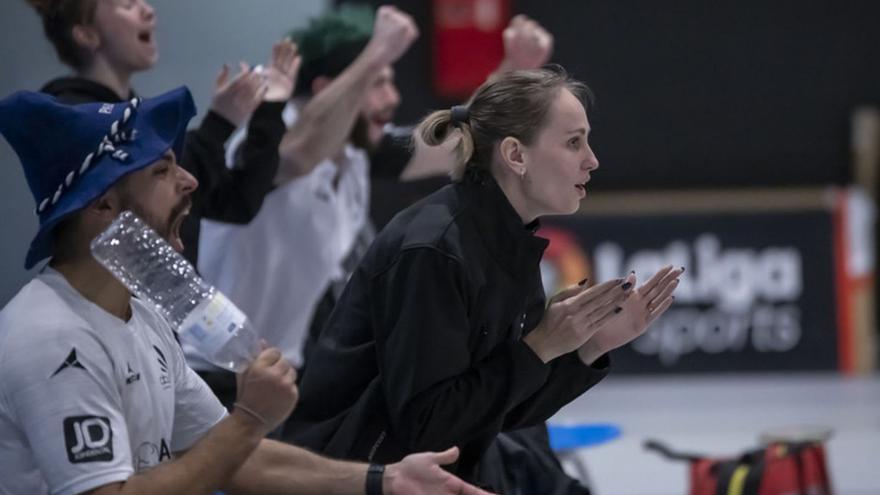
(780, 468)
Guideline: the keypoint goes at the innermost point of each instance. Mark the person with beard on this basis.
(96, 397)
(301, 246)
(287, 268)
(106, 42)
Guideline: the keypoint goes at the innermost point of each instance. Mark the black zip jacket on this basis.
(227, 195)
(424, 350)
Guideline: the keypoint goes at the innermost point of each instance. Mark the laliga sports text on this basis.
(729, 300)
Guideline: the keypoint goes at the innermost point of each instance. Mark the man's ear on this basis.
(86, 37)
(319, 83)
(106, 208)
(512, 153)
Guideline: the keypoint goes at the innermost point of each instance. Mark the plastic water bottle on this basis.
(205, 320)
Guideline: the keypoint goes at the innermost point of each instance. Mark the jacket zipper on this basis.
(376, 446)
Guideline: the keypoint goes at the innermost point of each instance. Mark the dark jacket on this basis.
(424, 350)
(227, 195)
(389, 194)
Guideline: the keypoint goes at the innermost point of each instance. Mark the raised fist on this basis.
(393, 33)
(527, 45)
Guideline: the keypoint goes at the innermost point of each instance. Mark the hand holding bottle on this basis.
(266, 390)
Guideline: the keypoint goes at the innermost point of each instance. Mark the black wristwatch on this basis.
(375, 473)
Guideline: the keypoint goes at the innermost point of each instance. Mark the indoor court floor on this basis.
(725, 415)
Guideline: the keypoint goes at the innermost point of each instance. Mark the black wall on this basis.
(693, 93)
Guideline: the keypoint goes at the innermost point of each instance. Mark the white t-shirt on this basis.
(276, 268)
(87, 399)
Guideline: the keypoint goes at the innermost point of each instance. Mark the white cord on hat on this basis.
(106, 146)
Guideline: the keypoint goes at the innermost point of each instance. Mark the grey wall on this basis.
(195, 38)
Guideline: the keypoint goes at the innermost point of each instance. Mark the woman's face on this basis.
(559, 162)
(125, 31)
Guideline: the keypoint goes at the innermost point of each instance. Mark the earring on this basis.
(522, 173)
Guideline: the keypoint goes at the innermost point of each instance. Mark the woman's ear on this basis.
(512, 153)
(86, 37)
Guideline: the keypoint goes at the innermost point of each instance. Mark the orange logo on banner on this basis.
(565, 263)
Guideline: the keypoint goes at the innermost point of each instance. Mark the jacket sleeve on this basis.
(569, 378)
(435, 394)
(234, 195)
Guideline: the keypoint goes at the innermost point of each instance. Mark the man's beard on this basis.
(360, 132)
(164, 228)
(360, 135)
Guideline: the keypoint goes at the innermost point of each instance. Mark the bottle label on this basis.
(212, 323)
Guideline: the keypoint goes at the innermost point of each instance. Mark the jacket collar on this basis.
(75, 89)
(500, 227)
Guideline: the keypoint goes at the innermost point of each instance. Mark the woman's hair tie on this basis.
(460, 115)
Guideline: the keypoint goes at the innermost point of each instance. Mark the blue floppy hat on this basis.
(72, 154)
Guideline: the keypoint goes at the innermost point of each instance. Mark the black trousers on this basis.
(520, 462)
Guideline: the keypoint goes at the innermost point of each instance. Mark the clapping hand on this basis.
(236, 99)
(280, 75)
(575, 315)
(643, 306)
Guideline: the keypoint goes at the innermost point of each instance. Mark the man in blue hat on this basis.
(96, 397)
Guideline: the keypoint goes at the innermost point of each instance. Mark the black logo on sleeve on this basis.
(69, 362)
(88, 439)
(130, 375)
(164, 379)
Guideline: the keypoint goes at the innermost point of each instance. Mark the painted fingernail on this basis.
(618, 310)
(582, 282)
(626, 286)
(633, 272)
(682, 269)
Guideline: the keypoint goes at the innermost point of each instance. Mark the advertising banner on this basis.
(758, 294)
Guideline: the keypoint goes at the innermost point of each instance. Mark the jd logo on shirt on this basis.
(88, 439)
